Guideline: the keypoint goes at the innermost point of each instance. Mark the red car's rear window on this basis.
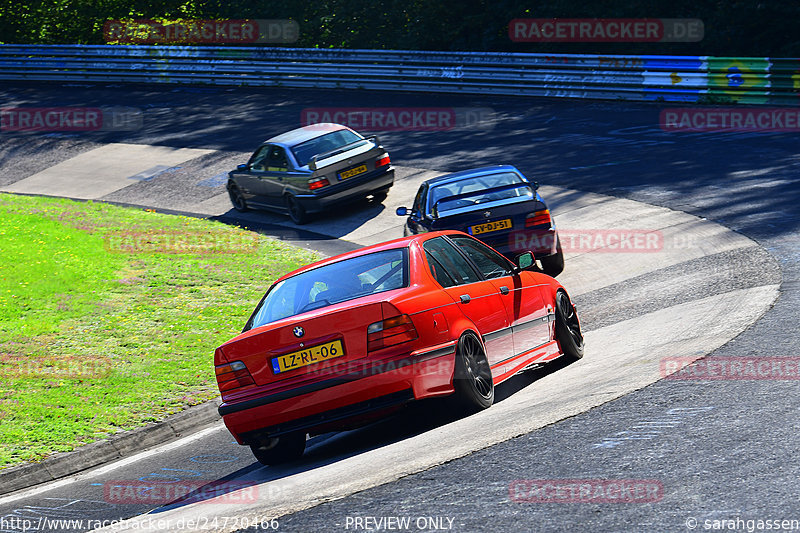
(330, 284)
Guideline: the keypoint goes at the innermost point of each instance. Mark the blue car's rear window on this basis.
(478, 190)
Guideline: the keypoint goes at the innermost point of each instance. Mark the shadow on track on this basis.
(343, 221)
(414, 419)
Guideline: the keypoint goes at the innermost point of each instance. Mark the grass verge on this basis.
(109, 316)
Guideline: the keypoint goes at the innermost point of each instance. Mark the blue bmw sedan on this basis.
(495, 204)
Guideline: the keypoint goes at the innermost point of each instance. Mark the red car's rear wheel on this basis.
(473, 377)
(568, 329)
(288, 448)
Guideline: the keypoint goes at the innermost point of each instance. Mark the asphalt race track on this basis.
(722, 280)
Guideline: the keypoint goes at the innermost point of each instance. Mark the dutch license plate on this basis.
(307, 356)
(488, 227)
(352, 172)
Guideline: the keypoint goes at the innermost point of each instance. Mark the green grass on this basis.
(109, 316)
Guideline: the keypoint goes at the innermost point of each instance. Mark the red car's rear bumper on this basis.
(341, 396)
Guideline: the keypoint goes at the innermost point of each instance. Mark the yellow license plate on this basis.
(490, 226)
(307, 356)
(352, 172)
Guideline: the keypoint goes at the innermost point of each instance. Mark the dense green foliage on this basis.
(732, 27)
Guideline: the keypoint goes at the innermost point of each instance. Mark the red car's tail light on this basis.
(382, 161)
(318, 183)
(538, 218)
(233, 375)
(389, 332)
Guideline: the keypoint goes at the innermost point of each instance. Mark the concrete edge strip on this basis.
(119, 445)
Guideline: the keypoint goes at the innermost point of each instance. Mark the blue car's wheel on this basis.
(553, 265)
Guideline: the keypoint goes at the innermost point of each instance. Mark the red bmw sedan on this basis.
(351, 337)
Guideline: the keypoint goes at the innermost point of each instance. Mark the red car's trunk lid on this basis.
(308, 343)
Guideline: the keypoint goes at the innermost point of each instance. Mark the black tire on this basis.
(380, 196)
(288, 448)
(296, 211)
(237, 198)
(473, 377)
(568, 328)
(553, 265)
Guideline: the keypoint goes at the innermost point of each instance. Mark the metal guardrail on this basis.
(615, 77)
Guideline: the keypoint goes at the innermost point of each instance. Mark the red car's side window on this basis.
(490, 263)
(438, 271)
(451, 261)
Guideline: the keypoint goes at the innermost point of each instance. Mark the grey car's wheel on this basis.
(473, 377)
(237, 198)
(380, 196)
(568, 328)
(553, 265)
(296, 211)
(288, 448)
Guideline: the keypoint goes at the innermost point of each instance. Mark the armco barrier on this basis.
(660, 78)
(678, 79)
(742, 80)
(784, 76)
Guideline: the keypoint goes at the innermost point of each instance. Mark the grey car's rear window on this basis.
(334, 283)
(303, 152)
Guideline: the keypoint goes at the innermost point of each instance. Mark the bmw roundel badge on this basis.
(298, 332)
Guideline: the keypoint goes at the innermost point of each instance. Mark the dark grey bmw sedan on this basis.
(307, 170)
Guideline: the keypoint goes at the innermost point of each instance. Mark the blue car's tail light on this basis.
(538, 218)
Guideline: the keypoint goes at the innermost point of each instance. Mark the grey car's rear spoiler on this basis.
(312, 163)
